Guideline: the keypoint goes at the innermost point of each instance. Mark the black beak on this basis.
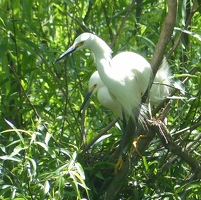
(86, 99)
(67, 52)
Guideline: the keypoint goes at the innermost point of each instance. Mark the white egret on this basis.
(127, 75)
(103, 95)
(160, 89)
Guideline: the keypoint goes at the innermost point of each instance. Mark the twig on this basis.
(111, 124)
(32, 106)
(83, 134)
(164, 38)
(169, 144)
(188, 146)
(161, 104)
(25, 94)
(122, 23)
(64, 93)
(188, 22)
(190, 128)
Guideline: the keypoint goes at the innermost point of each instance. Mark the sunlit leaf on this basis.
(46, 187)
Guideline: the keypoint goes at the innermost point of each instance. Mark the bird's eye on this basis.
(80, 44)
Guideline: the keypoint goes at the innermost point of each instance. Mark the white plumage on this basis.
(160, 89)
(127, 75)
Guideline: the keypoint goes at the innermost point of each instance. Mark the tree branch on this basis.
(188, 22)
(109, 126)
(164, 38)
(128, 165)
(122, 23)
(161, 104)
(158, 127)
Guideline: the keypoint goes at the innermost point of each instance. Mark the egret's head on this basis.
(84, 41)
(81, 42)
(95, 83)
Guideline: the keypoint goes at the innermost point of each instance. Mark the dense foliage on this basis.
(41, 148)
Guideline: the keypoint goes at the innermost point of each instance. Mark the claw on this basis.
(135, 143)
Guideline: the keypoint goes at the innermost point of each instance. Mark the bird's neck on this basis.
(102, 53)
(101, 50)
(105, 69)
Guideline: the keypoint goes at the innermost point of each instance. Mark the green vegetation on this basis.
(41, 133)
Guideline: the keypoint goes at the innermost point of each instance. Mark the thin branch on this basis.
(83, 134)
(188, 22)
(107, 19)
(25, 94)
(89, 9)
(190, 128)
(169, 144)
(122, 23)
(80, 23)
(188, 146)
(62, 90)
(164, 38)
(161, 104)
(109, 126)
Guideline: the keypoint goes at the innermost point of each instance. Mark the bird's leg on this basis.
(135, 143)
(124, 121)
(121, 146)
(137, 137)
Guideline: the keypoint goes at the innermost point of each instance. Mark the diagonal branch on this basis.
(122, 23)
(161, 130)
(188, 22)
(128, 165)
(164, 38)
(109, 126)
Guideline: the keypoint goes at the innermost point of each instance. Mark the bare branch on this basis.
(118, 181)
(122, 23)
(109, 126)
(188, 22)
(169, 144)
(164, 38)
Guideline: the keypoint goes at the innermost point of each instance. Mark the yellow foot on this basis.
(118, 165)
(135, 143)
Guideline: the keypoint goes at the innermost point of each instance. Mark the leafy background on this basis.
(41, 133)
